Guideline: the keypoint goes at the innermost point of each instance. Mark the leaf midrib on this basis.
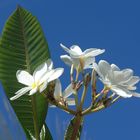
(36, 128)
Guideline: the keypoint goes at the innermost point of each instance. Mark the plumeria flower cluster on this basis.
(121, 83)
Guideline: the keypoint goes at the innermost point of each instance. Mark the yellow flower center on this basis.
(34, 85)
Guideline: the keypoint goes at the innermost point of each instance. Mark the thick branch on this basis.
(77, 125)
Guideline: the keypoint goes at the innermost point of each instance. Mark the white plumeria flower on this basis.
(63, 98)
(42, 75)
(121, 82)
(80, 60)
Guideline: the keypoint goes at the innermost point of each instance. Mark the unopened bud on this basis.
(107, 102)
(73, 85)
(93, 77)
(79, 84)
(87, 79)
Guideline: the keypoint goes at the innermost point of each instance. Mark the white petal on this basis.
(114, 67)
(68, 91)
(123, 76)
(46, 76)
(96, 68)
(33, 91)
(52, 105)
(75, 50)
(43, 87)
(106, 81)
(111, 78)
(56, 74)
(89, 50)
(136, 94)
(131, 88)
(67, 59)
(40, 71)
(65, 48)
(24, 77)
(121, 92)
(20, 93)
(104, 67)
(89, 67)
(119, 76)
(94, 53)
(70, 101)
(132, 81)
(58, 89)
(49, 64)
(75, 61)
(127, 73)
(88, 62)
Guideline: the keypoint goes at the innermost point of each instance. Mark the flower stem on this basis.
(77, 75)
(83, 97)
(76, 99)
(54, 102)
(75, 93)
(90, 110)
(87, 111)
(93, 83)
(118, 97)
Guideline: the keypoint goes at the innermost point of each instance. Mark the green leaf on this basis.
(74, 128)
(23, 46)
(44, 135)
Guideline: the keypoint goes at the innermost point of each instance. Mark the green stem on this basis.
(76, 100)
(63, 108)
(93, 83)
(90, 110)
(83, 97)
(87, 111)
(77, 75)
(53, 102)
(75, 93)
(118, 97)
(98, 95)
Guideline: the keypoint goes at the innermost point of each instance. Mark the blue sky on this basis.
(108, 24)
(8, 120)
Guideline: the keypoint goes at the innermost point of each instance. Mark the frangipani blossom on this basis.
(78, 58)
(42, 75)
(63, 98)
(121, 82)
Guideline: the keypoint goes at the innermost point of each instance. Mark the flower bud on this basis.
(87, 79)
(107, 102)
